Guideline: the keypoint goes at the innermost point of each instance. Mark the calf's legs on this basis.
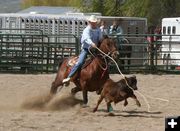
(137, 101)
(99, 101)
(125, 102)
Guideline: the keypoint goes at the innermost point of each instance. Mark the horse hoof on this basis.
(84, 105)
(94, 110)
(125, 104)
(139, 105)
(52, 94)
(67, 84)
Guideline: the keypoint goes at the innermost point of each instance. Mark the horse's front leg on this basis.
(61, 74)
(99, 102)
(85, 98)
(55, 86)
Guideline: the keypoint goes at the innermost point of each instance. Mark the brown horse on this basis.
(91, 77)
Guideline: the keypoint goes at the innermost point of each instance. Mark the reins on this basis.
(145, 99)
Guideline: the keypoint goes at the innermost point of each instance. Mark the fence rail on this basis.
(34, 53)
(28, 53)
(154, 56)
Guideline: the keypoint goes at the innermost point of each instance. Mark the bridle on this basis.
(109, 52)
(103, 56)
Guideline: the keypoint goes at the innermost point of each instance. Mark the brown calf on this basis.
(118, 91)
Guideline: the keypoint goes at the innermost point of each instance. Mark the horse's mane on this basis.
(104, 38)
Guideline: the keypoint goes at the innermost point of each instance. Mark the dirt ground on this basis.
(24, 106)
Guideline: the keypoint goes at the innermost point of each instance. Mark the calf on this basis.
(118, 91)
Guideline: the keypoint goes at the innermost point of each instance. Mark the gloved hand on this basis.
(93, 45)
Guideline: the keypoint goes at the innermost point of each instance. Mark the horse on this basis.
(90, 77)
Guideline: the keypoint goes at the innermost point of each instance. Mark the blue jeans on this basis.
(80, 62)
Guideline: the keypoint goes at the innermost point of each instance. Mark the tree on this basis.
(113, 7)
(153, 10)
(28, 3)
(98, 6)
(170, 7)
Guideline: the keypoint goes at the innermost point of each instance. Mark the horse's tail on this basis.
(61, 61)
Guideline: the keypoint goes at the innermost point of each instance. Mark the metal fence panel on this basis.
(34, 53)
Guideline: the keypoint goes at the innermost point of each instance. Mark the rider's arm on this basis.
(119, 30)
(87, 37)
(111, 30)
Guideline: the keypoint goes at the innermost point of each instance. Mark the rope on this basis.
(103, 68)
(146, 101)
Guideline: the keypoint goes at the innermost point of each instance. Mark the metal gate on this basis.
(28, 53)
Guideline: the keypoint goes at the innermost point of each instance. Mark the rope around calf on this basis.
(146, 101)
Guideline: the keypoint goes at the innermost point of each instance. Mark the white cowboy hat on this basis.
(92, 18)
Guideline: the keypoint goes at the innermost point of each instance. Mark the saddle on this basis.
(73, 60)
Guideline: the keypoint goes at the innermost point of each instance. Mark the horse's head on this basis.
(108, 46)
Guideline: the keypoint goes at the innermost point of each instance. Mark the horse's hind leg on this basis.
(55, 86)
(85, 98)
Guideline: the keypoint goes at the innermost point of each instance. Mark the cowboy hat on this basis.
(92, 18)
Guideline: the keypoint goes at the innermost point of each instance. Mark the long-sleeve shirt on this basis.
(90, 36)
(115, 30)
(104, 30)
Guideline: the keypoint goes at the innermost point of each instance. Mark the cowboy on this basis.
(115, 29)
(91, 36)
(104, 29)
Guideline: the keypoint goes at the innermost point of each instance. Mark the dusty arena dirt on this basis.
(25, 105)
